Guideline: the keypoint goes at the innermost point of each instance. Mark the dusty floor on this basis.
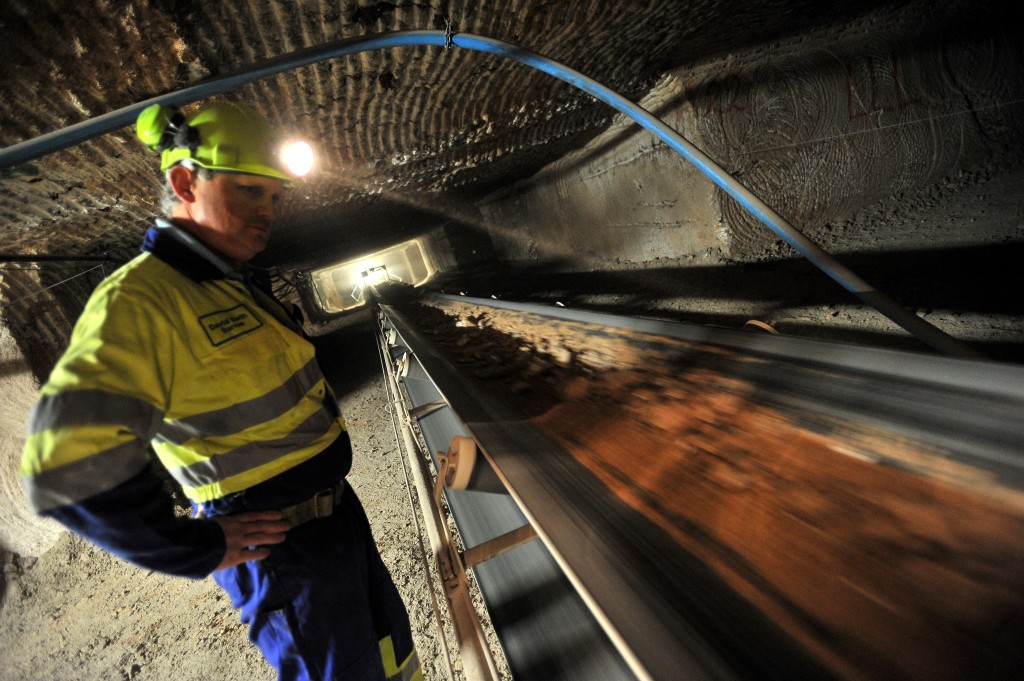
(78, 613)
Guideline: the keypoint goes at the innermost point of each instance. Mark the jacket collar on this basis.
(188, 255)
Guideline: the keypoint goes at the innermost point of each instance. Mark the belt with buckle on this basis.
(320, 505)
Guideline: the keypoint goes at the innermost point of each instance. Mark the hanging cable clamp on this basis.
(448, 33)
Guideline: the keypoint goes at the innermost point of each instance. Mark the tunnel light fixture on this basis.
(343, 286)
(297, 155)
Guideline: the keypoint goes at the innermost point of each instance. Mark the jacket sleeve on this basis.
(136, 521)
(86, 460)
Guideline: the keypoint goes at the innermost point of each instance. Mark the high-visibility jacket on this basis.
(175, 351)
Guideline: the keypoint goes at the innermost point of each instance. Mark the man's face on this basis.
(232, 213)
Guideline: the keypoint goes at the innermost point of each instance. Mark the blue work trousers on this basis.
(323, 606)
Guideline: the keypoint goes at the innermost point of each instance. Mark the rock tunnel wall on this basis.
(52, 295)
(820, 127)
(22, 531)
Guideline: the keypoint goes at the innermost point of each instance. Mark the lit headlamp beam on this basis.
(298, 157)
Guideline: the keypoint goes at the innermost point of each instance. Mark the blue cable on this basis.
(80, 132)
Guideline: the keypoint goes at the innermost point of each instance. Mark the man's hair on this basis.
(169, 200)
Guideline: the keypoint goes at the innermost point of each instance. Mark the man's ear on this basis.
(182, 181)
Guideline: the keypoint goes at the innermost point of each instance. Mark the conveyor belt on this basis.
(828, 511)
(546, 631)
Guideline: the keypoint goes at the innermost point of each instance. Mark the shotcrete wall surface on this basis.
(622, 201)
(820, 127)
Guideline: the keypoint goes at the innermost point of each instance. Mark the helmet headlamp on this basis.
(297, 155)
(224, 136)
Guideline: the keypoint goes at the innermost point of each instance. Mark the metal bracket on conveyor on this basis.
(456, 469)
(399, 355)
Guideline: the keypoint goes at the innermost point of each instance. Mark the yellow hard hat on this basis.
(220, 135)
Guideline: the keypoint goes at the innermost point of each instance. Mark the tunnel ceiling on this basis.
(406, 136)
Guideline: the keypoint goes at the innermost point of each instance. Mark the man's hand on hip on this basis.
(248, 534)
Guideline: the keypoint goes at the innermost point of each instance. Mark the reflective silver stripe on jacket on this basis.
(238, 417)
(95, 407)
(82, 479)
(254, 454)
